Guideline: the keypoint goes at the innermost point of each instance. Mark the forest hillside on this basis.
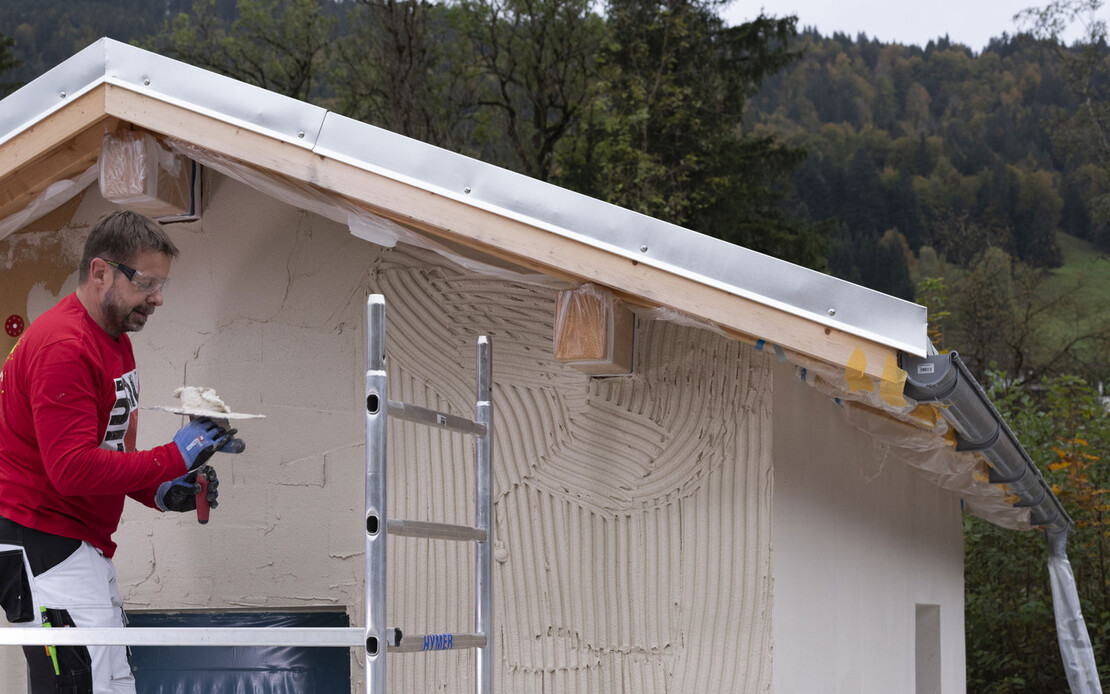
(936, 146)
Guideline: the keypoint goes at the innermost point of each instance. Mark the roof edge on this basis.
(813, 296)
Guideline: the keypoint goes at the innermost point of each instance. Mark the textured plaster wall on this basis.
(860, 540)
(632, 515)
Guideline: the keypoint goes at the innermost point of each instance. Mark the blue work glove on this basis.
(202, 437)
(181, 494)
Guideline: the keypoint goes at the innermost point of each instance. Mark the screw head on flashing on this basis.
(467, 190)
(832, 311)
(300, 134)
(644, 248)
(146, 82)
(62, 95)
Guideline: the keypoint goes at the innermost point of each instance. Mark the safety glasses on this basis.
(147, 284)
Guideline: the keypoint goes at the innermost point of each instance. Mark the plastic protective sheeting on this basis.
(55, 195)
(927, 451)
(899, 428)
(677, 317)
(591, 306)
(919, 438)
(362, 223)
(1071, 629)
(138, 173)
(594, 331)
(254, 670)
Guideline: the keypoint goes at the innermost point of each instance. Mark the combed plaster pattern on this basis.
(632, 514)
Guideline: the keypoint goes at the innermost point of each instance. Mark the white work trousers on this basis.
(82, 589)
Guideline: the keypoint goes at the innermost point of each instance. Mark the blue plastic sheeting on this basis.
(254, 670)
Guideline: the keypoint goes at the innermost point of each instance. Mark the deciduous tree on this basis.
(668, 138)
(538, 66)
(402, 66)
(280, 45)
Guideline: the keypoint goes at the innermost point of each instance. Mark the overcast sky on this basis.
(970, 22)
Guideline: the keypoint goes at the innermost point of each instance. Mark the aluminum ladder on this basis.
(379, 638)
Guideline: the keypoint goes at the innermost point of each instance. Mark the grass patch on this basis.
(1085, 279)
(1086, 271)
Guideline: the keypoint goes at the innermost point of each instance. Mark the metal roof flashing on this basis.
(52, 90)
(218, 96)
(796, 290)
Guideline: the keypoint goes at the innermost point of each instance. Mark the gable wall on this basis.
(860, 540)
(632, 514)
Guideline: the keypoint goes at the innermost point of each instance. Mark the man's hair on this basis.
(120, 236)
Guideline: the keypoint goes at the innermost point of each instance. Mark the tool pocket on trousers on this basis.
(72, 671)
(73, 676)
(75, 667)
(15, 587)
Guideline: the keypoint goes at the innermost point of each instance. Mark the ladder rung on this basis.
(417, 643)
(435, 531)
(433, 418)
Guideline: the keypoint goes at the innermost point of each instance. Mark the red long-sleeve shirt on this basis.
(68, 415)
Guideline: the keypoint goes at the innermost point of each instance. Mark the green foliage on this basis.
(955, 151)
(46, 32)
(399, 65)
(8, 61)
(664, 135)
(280, 45)
(1026, 321)
(538, 75)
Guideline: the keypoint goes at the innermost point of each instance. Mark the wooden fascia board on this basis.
(507, 238)
(60, 146)
(72, 158)
(43, 137)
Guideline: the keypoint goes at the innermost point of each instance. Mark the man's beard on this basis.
(122, 316)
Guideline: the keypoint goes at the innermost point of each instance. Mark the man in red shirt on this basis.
(68, 400)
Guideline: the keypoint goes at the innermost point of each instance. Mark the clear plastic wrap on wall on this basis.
(362, 223)
(136, 172)
(55, 195)
(1071, 629)
(593, 331)
(589, 306)
(928, 451)
(911, 433)
(915, 435)
(671, 315)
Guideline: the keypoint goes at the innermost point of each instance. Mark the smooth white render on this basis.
(860, 540)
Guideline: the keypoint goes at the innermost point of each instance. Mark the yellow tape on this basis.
(856, 372)
(982, 472)
(893, 383)
(926, 414)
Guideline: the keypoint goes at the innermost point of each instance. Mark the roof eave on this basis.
(494, 210)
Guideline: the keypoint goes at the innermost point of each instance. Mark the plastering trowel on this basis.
(196, 402)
